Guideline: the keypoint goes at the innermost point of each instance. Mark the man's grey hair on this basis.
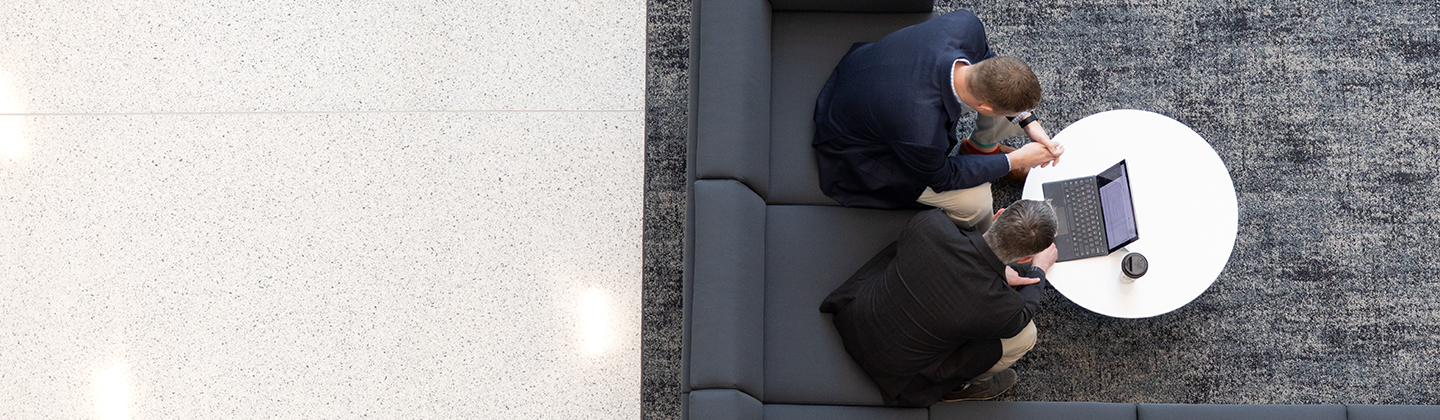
(1023, 229)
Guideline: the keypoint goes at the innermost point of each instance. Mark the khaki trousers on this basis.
(1013, 349)
(972, 208)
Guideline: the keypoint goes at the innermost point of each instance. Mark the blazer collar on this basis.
(983, 248)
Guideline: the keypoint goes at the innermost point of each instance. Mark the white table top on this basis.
(1185, 211)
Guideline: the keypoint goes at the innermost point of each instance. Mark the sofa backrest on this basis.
(871, 6)
(725, 281)
(730, 91)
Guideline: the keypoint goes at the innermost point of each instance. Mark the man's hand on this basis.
(1014, 280)
(1037, 134)
(1031, 155)
(1046, 259)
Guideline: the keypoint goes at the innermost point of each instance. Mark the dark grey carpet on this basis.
(667, 99)
(1325, 113)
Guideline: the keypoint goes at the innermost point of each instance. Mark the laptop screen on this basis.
(1116, 207)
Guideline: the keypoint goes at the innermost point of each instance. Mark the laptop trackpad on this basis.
(1062, 225)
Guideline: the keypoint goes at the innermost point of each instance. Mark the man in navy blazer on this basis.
(885, 121)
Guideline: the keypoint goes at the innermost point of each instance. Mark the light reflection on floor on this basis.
(112, 393)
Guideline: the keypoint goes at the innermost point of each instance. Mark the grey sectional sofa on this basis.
(764, 246)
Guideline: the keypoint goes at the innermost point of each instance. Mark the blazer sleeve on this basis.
(1031, 294)
(965, 171)
(846, 293)
(922, 145)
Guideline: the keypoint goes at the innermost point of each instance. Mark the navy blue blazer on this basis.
(884, 122)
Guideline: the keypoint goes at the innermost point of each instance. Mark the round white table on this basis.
(1185, 212)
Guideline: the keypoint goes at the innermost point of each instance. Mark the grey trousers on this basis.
(991, 130)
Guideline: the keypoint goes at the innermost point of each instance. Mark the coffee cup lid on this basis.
(1134, 265)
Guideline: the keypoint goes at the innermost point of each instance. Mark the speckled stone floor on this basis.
(310, 210)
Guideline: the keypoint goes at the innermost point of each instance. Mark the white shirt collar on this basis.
(952, 82)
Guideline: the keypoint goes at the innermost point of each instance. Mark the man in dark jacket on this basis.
(885, 121)
(938, 314)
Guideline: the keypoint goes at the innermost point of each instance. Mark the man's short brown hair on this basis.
(1006, 83)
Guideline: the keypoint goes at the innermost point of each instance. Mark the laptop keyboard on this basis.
(1087, 223)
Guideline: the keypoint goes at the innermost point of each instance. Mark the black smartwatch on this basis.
(1028, 119)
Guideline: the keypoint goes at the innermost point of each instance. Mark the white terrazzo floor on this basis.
(315, 210)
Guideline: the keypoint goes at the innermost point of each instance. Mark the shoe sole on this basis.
(997, 395)
(979, 399)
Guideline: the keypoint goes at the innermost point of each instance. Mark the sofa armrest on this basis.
(873, 6)
(727, 317)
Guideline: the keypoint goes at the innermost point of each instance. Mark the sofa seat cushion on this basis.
(809, 251)
(804, 50)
